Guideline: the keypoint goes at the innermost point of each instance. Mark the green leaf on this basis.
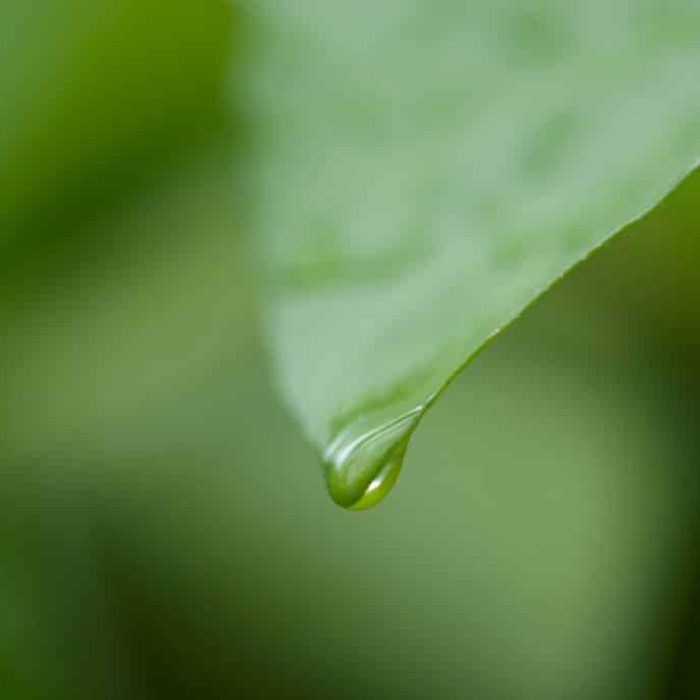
(419, 172)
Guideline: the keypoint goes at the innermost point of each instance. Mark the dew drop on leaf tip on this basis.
(362, 464)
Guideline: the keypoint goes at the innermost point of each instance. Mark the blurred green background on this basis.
(164, 532)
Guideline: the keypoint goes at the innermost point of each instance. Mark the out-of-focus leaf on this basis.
(421, 171)
(115, 253)
(96, 97)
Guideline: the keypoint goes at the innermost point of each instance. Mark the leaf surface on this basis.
(419, 172)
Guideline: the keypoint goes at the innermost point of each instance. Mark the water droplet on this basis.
(363, 464)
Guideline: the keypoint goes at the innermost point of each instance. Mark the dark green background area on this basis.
(164, 531)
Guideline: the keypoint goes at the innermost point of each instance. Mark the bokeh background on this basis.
(164, 531)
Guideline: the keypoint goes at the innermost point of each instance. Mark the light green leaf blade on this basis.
(419, 172)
